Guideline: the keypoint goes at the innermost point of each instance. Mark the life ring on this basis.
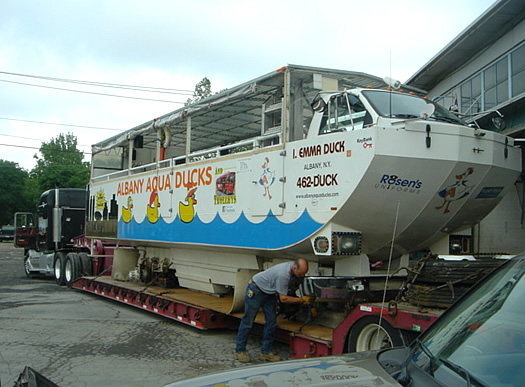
(164, 136)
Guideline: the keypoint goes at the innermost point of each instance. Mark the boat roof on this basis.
(238, 107)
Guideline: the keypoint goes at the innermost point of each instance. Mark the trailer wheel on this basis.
(58, 267)
(71, 268)
(368, 334)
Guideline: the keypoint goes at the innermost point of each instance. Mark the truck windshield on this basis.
(399, 105)
(482, 338)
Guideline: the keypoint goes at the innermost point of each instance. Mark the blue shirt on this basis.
(275, 279)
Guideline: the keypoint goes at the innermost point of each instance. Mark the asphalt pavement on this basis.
(80, 339)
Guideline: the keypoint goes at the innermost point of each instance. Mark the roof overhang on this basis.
(500, 18)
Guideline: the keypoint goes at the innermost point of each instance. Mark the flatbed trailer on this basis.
(206, 311)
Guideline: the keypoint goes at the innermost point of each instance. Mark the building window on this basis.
(496, 84)
(471, 96)
(518, 71)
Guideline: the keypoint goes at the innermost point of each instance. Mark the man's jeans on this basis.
(252, 305)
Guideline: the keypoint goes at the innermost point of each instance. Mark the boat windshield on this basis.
(398, 105)
(480, 340)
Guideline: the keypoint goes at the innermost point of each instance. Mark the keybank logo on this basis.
(398, 184)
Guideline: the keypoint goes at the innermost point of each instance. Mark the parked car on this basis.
(479, 341)
(7, 233)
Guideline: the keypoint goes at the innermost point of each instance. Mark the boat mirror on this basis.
(318, 105)
(499, 123)
(427, 111)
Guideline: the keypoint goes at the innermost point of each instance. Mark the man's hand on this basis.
(308, 300)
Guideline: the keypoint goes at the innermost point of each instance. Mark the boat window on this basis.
(108, 161)
(405, 106)
(344, 112)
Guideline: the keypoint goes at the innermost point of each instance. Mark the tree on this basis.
(61, 164)
(202, 91)
(13, 194)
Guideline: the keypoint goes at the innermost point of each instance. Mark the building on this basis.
(481, 76)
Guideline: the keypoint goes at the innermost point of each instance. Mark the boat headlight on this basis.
(346, 243)
(321, 244)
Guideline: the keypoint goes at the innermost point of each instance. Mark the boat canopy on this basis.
(274, 105)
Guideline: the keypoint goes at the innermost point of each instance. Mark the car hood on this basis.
(355, 369)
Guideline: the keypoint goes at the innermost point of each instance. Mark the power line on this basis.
(22, 138)
(33, 139)
(55, 123)
(54, 150)
(91, 92)
(105, 84)
(21, 146)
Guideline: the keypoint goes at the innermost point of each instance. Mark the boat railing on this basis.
(207, 154)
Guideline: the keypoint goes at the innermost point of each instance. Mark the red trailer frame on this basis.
(403, 316)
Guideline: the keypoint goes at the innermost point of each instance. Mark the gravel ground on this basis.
(79, 339)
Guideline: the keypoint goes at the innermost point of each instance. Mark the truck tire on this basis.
(86, 264)
(58, 267)
(368, 334)
(26, 266)
(71, 268)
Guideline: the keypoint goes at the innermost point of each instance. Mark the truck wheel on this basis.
(71, 268)
(27, 266)
(86, 264)
(368, 334)
(58, 268)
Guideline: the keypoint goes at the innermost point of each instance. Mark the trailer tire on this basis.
(86, 265)
(58, 268)
(367, 333)
(71, 268)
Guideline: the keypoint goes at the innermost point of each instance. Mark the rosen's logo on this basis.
(397, 181)
(398, 184)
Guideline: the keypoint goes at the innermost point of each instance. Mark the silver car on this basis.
(479, 341)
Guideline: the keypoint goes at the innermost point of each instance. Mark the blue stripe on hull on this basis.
(269, 234)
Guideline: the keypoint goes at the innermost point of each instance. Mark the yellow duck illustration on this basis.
(153, 207)
(186, 210)
(127, 214)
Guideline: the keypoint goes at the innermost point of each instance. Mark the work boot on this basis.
(243, 357)
(270, 357)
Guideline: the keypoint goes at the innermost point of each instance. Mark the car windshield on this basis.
(399, 105)
(480, 340)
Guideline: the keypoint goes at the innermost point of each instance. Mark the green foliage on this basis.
(61, 165)
(13, 194)
(202, 91)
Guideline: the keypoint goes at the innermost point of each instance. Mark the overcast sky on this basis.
(173, 44)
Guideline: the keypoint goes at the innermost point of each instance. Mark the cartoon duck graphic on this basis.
(455, 191)
(186, 210)
(267, 177)
(152, 209)
(127, 214)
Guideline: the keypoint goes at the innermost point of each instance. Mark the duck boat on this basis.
(339, 167)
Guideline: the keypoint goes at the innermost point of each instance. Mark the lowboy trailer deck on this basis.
(205, 311)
